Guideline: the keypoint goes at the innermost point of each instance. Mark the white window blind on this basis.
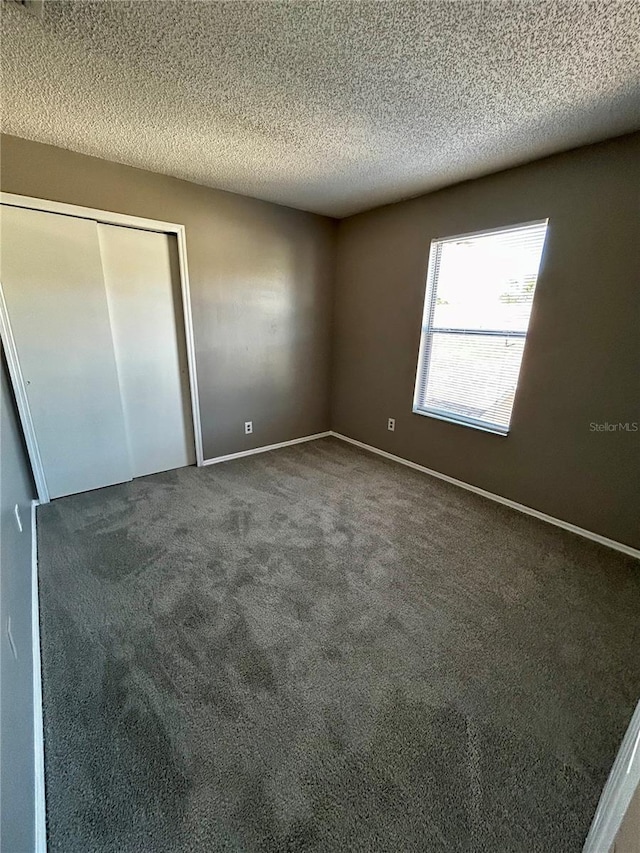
(480, 290)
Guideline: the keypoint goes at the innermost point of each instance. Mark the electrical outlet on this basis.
(391, 424)
(18, 519)
(248, 427)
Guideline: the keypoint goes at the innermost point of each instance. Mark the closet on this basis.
(95, 313)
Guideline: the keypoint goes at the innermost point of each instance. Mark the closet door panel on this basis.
(51, 273)
(145, 305)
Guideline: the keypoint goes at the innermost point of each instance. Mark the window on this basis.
(480, 290)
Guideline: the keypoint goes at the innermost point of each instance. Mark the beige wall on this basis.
(261, 278)
(628, 837)
(17, 814)
(582, 361)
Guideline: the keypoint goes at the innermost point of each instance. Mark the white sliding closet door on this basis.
(143, 292)
(52, 279)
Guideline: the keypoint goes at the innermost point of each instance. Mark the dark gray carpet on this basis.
(318, 650)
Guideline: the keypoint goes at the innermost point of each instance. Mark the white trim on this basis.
(40, 831)
(428, 329)
(20, 392)
(181, 236)
(621, 785)
(265, 448)
(450, 419)
(107, 216)
(504, 229)
(565, 525)
(111, 218)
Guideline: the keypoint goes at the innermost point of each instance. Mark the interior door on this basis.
(143, 292)
(51, 274)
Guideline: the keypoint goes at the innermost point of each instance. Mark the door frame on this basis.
(623, 781)
(11, 353)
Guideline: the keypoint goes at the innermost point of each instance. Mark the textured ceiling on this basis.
(328, 106)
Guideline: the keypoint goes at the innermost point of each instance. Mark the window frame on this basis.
(428, 330)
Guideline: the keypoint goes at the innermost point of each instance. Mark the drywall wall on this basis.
(628, 837)
(261, 278)
(17, 783)
(582, 360)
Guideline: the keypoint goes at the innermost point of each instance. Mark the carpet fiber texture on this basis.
(316, 649)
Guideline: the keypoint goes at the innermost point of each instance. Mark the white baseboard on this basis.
(265, 448)
(565, 525)
(625, 774)
(622, 783)
(40, 845)
(527, 510)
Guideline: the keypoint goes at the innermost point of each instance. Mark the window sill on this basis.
(493, 430)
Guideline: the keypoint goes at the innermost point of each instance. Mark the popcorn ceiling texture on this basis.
(333, 107)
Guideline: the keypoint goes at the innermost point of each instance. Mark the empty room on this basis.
(320, 426)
